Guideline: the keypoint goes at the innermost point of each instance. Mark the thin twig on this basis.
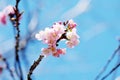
(115, 72)
(34, 65)
(8, 68)
(108, 62)
(111, 72)
(16, 25)
(63, 36)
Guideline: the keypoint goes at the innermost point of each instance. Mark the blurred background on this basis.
(98, 25)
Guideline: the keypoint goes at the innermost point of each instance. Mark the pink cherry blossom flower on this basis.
(73, 38)
(55, 52)
(51, 37)
(48, 36)
(40, 35)
(3, 14)
(49, 50)
(59, 28)
(8, 10)
(71, 24)
(58, 52)
(46, 51)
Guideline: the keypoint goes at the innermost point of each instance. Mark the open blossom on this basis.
(58, 52)
(71, 24)
(59, 28)
(4, 13)
(55, 52)
(8, 10)
(73, 38)
(51, 37)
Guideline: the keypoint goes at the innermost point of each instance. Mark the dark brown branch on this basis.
(115, 72)
(34, 65)
(108, 62)
(15, 20)
(8, 68)
(63, 36)
(111, 72)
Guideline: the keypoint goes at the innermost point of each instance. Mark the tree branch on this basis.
(118, 61)
(34, 65)
(111, 72)
(108, 62)
(17, 37)
(8, 68)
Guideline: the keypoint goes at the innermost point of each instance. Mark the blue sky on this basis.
(98, 27)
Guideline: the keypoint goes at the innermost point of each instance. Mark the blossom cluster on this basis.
(59, 31)
(4, 13)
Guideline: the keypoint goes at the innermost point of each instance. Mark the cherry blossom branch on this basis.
(63, 36)
(51, 36)
(111, 72)
(15, 17)
(8, 68)
(108, 62)
(34, 65)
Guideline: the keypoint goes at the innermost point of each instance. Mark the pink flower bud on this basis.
(2, 18)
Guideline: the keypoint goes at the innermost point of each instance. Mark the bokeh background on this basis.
(98, 25)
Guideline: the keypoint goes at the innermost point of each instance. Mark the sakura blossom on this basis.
(71, 24)
(73, 38)
(9, 9)
(5, 13)
(51, 36)
(59, 51)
